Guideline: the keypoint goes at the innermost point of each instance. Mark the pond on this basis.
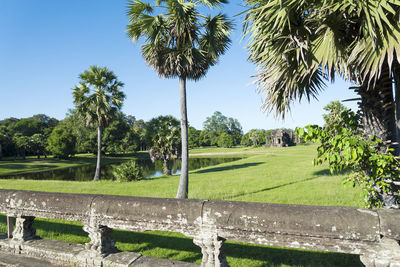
(86, 173)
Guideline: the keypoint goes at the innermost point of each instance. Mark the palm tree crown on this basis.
(179, 42)
(97, 96)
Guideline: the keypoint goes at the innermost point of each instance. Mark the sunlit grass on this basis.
(274, 175)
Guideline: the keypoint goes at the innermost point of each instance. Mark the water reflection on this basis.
(86, 173)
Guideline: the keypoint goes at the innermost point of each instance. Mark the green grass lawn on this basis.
(274, 175)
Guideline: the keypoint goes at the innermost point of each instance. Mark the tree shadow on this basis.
(156, 240)
(327, 172)
(227, 168)
(18, 166)
(270, 188)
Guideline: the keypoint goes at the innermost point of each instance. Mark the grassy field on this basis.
(275, 175)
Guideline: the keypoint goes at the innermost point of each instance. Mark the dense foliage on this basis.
(27, 136)
(124, 134)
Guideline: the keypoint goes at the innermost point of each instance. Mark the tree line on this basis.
(42, 135)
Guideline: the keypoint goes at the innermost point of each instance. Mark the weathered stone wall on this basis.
(372, 234)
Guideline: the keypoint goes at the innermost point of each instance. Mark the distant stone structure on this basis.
(281, 138)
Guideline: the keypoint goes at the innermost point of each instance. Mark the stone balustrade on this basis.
(372, 234)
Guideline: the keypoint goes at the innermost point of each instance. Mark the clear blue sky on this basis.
(45, 44)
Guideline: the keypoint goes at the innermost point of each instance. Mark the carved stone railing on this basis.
(374, 235)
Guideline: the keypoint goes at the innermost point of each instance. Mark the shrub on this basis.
(128, 171)
(61, 142)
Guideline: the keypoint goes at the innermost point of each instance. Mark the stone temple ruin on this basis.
(281, 138)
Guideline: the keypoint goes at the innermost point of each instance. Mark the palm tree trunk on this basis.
(166, 169)
(378, 108)
(97, 175)
(379, 118)
(396, 78)
(184, 181)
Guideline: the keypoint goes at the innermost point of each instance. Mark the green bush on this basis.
(128, 171)
(62, 142)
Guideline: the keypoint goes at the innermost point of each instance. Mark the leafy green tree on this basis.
(37, 144)
(298, 46)
(97, 98)
(50, 123)
(164, 134)
(179, 42)
(254, 137)
(86, 136)
(334, 117)
(28, 127)
(61, 142)
(246, 140)
(193, 137)
(218, 124)
(139, 130)
(115, 133)
(4, 139)
(21, 143)
(225, 140)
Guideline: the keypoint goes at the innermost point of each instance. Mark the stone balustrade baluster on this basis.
(211, 248)
(24, 230)
(100, 243)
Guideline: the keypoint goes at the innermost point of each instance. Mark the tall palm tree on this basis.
(300, 45)
(97, 97)
(179, 42)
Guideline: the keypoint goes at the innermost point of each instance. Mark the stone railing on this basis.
(374, 235)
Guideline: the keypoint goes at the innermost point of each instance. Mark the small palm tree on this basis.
(97, 97)
(165, 144)
(179, 42)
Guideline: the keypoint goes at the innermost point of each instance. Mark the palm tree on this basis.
(179, 42)
(300, 45)
(97, 97)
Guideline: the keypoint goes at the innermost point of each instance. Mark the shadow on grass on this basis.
(269, 256)
(269, 188)
(19, 166)
(327, 172)
(231, 167)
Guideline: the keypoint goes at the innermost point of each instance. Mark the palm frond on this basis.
(179, 42)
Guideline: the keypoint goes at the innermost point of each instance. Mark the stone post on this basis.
(100, 243)
(10, 226)
(211, 248)
(23, 229)
(388, 255)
